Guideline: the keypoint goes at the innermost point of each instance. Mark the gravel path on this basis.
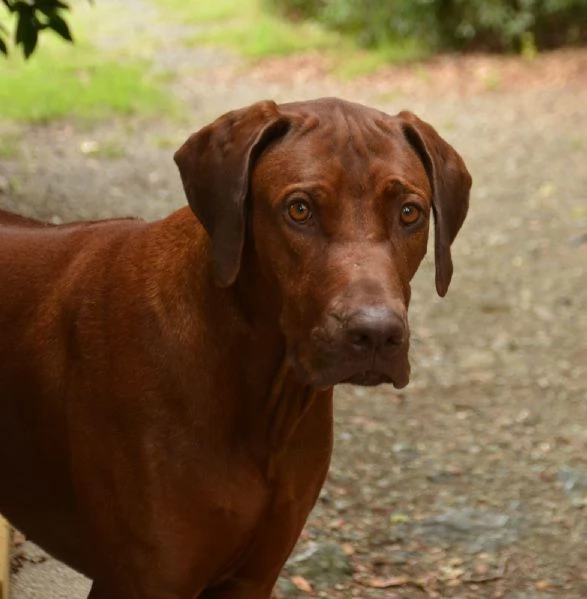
(473, 481)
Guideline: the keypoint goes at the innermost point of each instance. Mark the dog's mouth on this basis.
(370, 374)
(368, 378)
(396, 373)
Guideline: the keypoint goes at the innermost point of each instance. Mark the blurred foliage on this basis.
(496, 25)
(32, 18)
(106, 74)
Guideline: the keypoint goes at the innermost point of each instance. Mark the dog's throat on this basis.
(288, 403)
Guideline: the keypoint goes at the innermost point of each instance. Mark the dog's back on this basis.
(11, 219)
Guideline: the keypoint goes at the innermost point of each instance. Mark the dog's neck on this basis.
(267, 402)
(280, 404)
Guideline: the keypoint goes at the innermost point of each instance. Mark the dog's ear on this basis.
(451, 183)
(215, 164)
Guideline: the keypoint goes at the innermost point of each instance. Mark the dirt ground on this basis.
(472, 482)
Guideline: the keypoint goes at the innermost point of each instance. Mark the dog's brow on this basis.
(395, 186)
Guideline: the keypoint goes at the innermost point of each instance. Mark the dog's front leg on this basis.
(100, 592)
(257, 574)
(239, 590)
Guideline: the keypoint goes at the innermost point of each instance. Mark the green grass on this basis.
(166, 141)
(267, 35)
(492, 80)
(244, 26)
(194, 12)
(109, 149)
(355, 62)
(81, 85)
(247, 28)
(81, 80)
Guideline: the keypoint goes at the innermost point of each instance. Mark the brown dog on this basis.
(166, 387)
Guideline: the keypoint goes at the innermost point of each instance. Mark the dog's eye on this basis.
(299, 211)
(410, 214)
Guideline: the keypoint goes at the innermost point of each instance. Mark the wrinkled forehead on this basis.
(335, 142)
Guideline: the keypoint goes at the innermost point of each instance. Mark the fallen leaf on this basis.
(542, 585)
(452, 572)
(386, 583)
(302, 584)
(481, 569)
(399, 518)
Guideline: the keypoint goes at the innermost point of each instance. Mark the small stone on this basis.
(474, 530)
(573, 479)
(476, 360)
(323, 565)
(579, 240)
(89, 147)
(400, 558)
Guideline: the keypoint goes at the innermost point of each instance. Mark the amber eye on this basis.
(410, 214)
(299, 211)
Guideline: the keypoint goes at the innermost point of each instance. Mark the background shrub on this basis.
(496, 25)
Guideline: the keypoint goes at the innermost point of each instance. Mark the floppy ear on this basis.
(450, 182)
(215, 164)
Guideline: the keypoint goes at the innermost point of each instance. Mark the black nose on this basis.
(375, 328)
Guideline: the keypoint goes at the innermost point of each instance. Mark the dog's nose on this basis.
(375, 328)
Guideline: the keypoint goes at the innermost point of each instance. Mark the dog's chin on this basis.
(368, 378)
(396, 373)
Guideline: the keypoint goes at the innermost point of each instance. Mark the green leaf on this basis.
(21, 7)
(50, 7)
(50, 4)
(30, 43)
(24, 27)
(3, 48)
(27, 31)
(60, 27)
(48, 11)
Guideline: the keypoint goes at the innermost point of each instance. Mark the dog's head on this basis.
(331, 202)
